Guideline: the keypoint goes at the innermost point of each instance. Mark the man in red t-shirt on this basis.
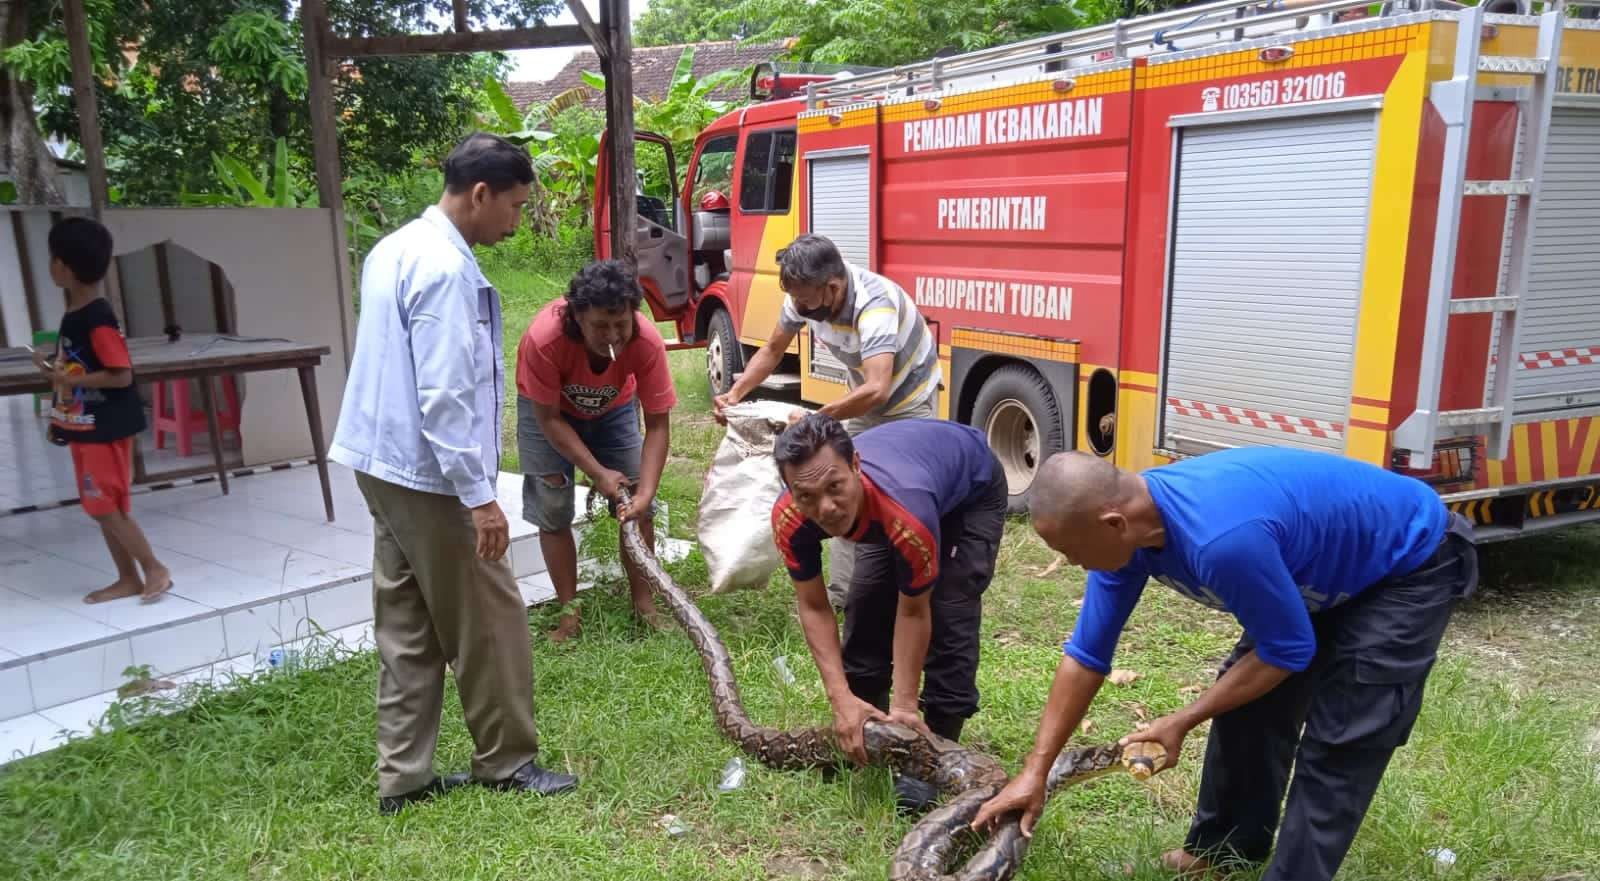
(584, 362)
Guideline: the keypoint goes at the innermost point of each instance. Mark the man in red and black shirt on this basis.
(925, 500)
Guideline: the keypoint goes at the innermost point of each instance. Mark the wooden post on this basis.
(94, 152)
(30, 286)
(542, 37)
(83, 96)
(169, 304)
(596, 36)
(618, 67)
(325, 154)
(219, 299)
(460, 9)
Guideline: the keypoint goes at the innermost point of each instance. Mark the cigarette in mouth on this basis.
(612, 350)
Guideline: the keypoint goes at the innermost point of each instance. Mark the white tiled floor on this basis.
(16, 695)
(26, 735)
(253, 570)
(35, 471)
(220, 549)
(32, 470)
(247, 635)
(231, 558)
(29, 626)
(33, 733)
(79, 673)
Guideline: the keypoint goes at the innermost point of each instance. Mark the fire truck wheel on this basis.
(724, 355)
(1018, 412)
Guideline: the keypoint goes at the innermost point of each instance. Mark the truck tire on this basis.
(724, 354)
(1017, 411)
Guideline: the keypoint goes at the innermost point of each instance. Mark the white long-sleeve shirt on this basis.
(422, 404)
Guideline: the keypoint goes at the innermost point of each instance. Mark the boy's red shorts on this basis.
(103, 472)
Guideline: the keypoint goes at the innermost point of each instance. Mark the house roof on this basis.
(652, 70)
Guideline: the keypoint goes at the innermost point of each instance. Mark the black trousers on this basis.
(1337, 723)
(969, 541)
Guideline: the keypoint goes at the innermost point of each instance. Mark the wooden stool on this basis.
(179, 419)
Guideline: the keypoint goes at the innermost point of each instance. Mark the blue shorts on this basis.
(614, 440)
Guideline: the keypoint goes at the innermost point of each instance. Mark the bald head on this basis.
(1074, 484)
(1092, 512)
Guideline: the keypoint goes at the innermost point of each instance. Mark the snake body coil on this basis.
(966, 778)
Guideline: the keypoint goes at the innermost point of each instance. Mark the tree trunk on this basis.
(23, 150)
(280, 109)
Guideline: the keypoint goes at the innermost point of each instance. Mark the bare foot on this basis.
(568, 628)
(124, 587)
(1186, 864)
(651, 618)
(157, 581)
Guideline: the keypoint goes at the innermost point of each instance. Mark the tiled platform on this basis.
(250, 570)
(35, 472)
(256, 570)
(253, 571)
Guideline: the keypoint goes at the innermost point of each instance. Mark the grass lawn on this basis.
(275, 780)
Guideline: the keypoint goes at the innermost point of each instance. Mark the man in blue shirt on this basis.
(925, 501)
(1343, 577)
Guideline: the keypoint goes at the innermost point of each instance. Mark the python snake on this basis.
(965, 777)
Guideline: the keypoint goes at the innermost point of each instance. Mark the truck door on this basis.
(660, 244)
(1264, 283)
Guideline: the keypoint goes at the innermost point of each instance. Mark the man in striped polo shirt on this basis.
(872, 327)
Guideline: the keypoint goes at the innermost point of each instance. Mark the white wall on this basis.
(281, 264)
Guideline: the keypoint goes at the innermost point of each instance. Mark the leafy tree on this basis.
(276, 187)
(890, 32)
(670, 22)
(184, 81)
(563, 136)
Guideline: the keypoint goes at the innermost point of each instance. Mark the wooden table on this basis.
(203, 356)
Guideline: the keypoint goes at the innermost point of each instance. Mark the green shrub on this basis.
(556, 258)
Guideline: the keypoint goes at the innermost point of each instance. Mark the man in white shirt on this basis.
(421, 427)
(874, 329)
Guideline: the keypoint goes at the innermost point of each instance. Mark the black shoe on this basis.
(389, 805)
(913, 796)
(532, 778)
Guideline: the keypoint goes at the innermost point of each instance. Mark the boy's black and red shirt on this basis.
(91, 341)
(914, 472)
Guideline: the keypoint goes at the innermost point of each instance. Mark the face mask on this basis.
(821, 313)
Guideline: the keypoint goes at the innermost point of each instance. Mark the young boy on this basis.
(96, 411)
(588, 364)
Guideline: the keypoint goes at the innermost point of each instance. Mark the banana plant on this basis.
(680, 115)
(564, 165)
(687, 107)
(533, 126)
(275, 187)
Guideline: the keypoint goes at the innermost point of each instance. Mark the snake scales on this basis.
(966, 778)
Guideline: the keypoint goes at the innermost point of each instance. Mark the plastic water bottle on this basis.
(732, 775)
(784, 673)
(282, 658)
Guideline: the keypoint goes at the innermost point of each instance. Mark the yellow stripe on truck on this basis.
(1388, 228)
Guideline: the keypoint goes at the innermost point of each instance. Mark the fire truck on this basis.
(1370, 230)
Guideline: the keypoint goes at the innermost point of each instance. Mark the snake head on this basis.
(1143, 759)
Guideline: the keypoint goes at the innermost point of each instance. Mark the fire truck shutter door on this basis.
(1269, 232)
(840, 198)
(1560, 334)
